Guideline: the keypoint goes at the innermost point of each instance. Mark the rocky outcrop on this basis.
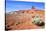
(23, 19)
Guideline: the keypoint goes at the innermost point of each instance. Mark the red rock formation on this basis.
(23, 20)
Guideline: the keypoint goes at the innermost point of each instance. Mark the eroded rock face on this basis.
(23, 20)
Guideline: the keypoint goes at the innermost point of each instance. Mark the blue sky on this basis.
(22, 5)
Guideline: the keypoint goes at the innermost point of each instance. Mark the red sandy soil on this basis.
(25, 21)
